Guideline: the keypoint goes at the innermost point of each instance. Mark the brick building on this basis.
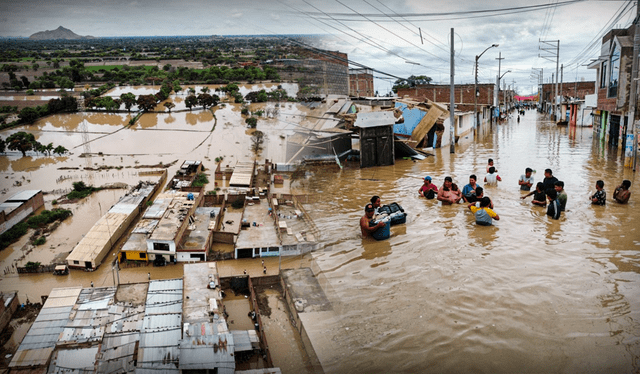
(576, 90)
(318, 72)
(612, 118)
(463, 97)
(18, 207)
(463, 94)
(361, 82)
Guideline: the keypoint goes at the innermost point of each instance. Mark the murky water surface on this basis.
(528, 294)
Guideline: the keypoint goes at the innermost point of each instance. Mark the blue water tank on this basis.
(190, 196)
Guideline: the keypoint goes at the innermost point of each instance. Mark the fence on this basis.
(39, 269)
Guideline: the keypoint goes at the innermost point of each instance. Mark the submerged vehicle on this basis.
(61, 270)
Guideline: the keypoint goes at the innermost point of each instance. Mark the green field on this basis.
(94, 69)
(105, 67)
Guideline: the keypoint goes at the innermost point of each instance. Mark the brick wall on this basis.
(569, 89)
(361, 84)
(463, 94)
(604, 103)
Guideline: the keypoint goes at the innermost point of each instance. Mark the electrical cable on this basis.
(461, 14)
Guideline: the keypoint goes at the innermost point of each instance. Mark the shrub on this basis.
(32, 265)
(40, 241)
(200, 180)
(238, 204)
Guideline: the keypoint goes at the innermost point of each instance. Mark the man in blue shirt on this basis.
(469, 191)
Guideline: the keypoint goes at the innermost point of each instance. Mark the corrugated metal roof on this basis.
(98, 237)
(159, 206)
(375, 119)
(37, 345)
(245, 340)
(69, 361)
(207, 352)
(242, 175)
(23, 195)
(161, 328)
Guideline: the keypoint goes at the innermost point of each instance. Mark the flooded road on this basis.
(529, 294)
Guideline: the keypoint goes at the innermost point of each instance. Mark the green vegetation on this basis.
(103, 67)
(212, 192)
(32, 265)
(252, 122)
(24, 141)
(412, 81)
(40, 241)
(30, 114)
(200, 180)
(47, 216)
(257, 141)
(81, 190)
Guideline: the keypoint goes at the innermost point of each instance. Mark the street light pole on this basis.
(475, 88)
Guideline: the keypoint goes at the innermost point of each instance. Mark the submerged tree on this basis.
(146, 102)
(128, 99)
(21, 141)
(60, 150)
(191, 101)
(257, 141)
(169, 105)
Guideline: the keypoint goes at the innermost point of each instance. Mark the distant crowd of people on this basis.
(549, 193)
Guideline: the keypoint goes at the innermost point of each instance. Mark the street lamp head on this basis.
(495, 45)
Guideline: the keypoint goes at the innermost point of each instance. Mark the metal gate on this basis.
(614, 130)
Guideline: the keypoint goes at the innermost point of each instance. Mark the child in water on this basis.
(600, 197)
(539, 197)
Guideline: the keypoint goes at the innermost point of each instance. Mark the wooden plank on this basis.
(426, 123)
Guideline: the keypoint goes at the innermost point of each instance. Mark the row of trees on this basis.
(24, 142)
(65, 103)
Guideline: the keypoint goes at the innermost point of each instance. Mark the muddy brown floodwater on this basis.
(528, 294)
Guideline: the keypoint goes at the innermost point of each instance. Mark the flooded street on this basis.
(529, 294)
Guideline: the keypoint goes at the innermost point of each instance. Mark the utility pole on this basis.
(497, 93)
(475, 88)
(452, 99)
(549, 52)
(561, 81)
(633, 97)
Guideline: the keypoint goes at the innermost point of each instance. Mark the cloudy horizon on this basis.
(384, 35)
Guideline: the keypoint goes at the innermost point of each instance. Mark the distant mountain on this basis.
(59, 33)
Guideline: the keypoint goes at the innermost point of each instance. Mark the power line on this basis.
(424, 32)
(460, 14)
(376, 44)
(596, 41)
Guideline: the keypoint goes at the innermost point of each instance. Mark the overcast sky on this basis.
(361, 28)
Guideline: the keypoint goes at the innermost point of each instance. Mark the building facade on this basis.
(361, 83)
(612, 119)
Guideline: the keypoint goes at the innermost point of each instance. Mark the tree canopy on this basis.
(412, 81)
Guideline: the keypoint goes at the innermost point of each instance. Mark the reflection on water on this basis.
(527, 294)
